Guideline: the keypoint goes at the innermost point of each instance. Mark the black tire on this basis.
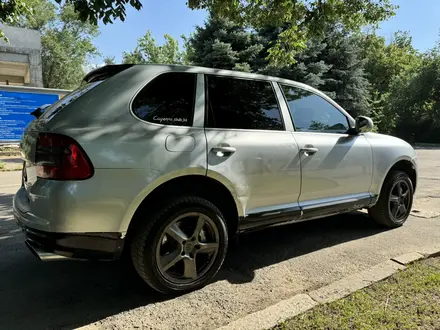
(145, 244)
(384, 212)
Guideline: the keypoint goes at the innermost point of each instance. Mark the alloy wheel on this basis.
(187, 248)
(400, 200)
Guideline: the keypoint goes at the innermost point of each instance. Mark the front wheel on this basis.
(182, 247)
(395, 200)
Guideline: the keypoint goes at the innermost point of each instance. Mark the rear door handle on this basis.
(308, 151)
(223, 151)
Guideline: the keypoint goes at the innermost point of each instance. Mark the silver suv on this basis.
(167, 163)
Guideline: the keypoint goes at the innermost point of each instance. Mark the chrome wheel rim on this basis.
(400, 200)
(187, 248)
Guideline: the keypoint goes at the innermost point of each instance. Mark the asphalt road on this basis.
(262, 269)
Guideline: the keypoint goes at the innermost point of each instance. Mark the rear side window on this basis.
(241, 104)
(52, 110)
(167, 100)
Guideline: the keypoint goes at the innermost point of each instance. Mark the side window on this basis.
(168, 99)
(310, 112)
(241, 104)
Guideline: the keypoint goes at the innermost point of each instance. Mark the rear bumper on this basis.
(53, 245)
(90, 246)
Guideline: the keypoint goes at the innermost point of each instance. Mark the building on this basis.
(20, 58)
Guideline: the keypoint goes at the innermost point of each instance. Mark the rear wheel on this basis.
(182, 247)
(395, 200)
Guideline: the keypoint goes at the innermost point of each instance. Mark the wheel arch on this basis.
(405, 165)
(196, 184)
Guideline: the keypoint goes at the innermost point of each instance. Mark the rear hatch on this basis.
(39, 147)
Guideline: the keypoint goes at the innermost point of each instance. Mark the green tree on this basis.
(147, 51)
(43, 13)
(414, 101)
(109, 60)
(223, 44)
(385, 63)
(66, 42)
(306, 18)
(345, 81)
(331, 63)
(302, 20)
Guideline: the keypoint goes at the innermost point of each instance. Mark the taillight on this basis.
(60, 157)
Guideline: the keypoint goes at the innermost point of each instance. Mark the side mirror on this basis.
(364, 124)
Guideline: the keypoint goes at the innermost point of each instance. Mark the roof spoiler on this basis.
(105, 72)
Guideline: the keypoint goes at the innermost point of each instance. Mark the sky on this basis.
(419, 17)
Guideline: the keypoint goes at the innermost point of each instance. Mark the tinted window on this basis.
(52, 110)
(310, 112)
(168, 99)
(242, 104)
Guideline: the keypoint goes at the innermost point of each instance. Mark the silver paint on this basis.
(132, 158)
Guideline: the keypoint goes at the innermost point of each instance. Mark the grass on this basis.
(2, 166)
(408, 300)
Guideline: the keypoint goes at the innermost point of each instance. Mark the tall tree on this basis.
(66, 42)
(346, 78)
(148, 51)
(413, 103)
(224, 45)
(386, 62)
(109, 60)
(309, 67)
(331, 63)
(306, 18)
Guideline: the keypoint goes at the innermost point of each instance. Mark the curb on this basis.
(300, 303)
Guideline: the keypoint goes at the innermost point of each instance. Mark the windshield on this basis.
(52, 110)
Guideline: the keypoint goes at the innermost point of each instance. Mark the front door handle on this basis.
(308, 151)
(223, 151)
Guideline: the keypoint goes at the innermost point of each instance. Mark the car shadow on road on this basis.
(70, 294)
(270, 246)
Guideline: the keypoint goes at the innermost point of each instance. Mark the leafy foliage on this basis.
(109, 60)
(414, 101)
(66, 47)
(384, 64)
(225, 45)
(87, 11)
(331, 63)
(11, 11)
(386, 61)
(66, 42)
(147, 51)
(305, 18)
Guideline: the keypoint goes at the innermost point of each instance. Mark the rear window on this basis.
(52, 110)
(168, 99)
